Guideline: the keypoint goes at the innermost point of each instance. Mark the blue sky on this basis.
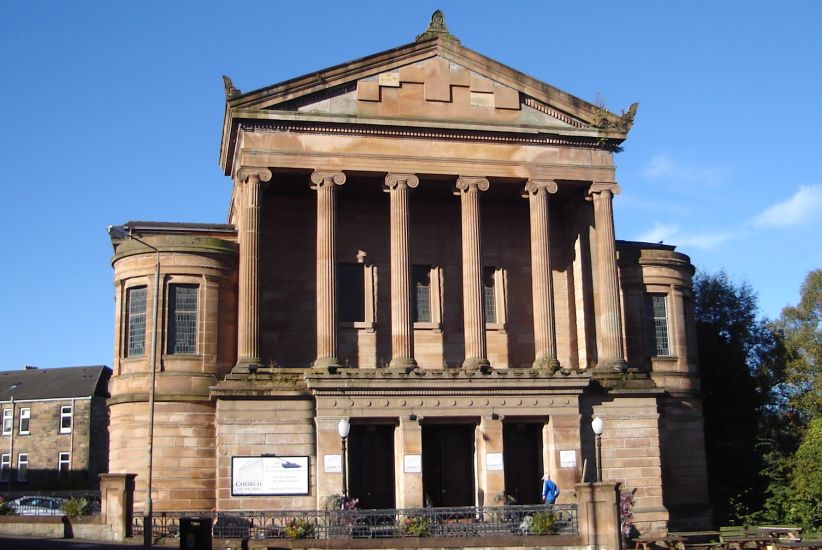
(111, 111)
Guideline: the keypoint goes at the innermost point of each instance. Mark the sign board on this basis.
(412, 464)
(332, 464)
(493, 461)
(567, 459)
(269, 475)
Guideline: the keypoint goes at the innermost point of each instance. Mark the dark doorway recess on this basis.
(371, 465)
(522, 457)
(448, 464)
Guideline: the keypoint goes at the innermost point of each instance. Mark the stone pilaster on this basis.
(402, 325)
(323, 183)
(251, 181)
(408, 441)
(491, 480)
(328, 444)
(610, 353)
(473, 304)
(542, 286)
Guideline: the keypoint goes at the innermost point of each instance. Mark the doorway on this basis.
(371, 465)
(522, 456)
(448, 464)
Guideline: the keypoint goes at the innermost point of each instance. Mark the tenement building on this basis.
(420, 242)
(54, 429)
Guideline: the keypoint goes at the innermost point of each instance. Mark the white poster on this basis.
(567, 459)
(493, 461)
(332, 464)
(412, 464)
(269, 475)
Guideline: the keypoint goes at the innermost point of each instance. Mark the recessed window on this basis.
(656, 324)
(351, 293)
(25, 418)
(5, 467)
(182, 319)
(66, 414)
(489, 293)
(22, 467)
(63, 464)
(135, 321)
(8, 418)
(421, 280)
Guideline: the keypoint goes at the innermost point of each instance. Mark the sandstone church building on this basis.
(421, 242)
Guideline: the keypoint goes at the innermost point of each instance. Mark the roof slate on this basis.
(67, 382)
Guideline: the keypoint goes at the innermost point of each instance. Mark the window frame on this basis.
(130, 319)
(652, 327)
(5, 467)
(25, 414)
(435, 278)
(8, 421)
(61, 471)
(22, 467)
(70, 416)
(172, 322)
(499, 276)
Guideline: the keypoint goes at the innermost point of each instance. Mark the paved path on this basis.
(28, 543)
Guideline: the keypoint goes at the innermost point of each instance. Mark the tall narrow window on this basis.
(656, 324)
(8, 419)
(5, 467)
(25, 418)
(351, 293)
(489, 292)
(421, 277)
(63, 464)
(182, 319)
(65, 419)
(22, 467)
(136, 321)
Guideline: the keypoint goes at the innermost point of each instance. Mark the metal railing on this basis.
(49, 503)
(467, 521)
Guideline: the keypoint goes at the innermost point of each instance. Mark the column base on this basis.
(329, 363)
(547, 363)
(610, 366)
(471, 364)
(406, 364)
(247, 365)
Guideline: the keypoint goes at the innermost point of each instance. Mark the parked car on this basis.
(38, 506)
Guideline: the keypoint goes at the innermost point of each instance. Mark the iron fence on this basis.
(468, 521)
(50, 503)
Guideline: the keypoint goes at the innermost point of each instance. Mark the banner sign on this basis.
(269, 475)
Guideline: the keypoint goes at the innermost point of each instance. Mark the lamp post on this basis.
(596, 425)
(343, 428)
(119, 232)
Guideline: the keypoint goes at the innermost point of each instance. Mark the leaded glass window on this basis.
(656, 324)
(182, 319)
(136, 321)
(489, 294)
(422, 293)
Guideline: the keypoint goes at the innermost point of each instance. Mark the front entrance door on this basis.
(448, 464)
(371, 465)
(522, 456)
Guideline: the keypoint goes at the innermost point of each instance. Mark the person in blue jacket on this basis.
(550, 491)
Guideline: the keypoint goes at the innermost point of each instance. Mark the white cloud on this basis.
(671, 234)
(664, 166)
(805, 205)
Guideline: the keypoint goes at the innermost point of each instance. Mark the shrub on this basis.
(299, 529)
(543, 523)
(5, 509)
(416, 526)
(75, 507)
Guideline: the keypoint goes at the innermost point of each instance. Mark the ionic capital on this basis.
(325, 178)
(250, 173)
(601, 186)
(396, 181)
(534, 187)
(468, 183)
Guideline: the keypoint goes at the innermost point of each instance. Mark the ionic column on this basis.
(251, 182)
(472, 296)
(402, 325)
(542, 286)
(609, 317)
(324, 182)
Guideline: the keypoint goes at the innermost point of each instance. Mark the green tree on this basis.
(805, 495)
(739, 357)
